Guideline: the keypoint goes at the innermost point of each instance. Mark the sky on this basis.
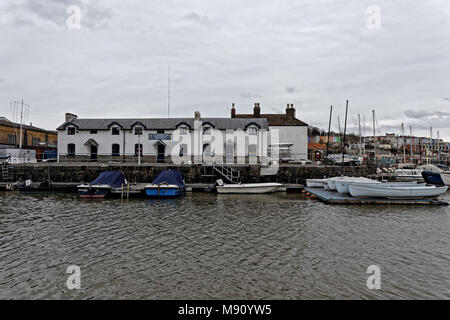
(387, 56)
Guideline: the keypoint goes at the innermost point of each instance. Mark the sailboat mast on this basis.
(328, 136)
(345, 130)
(403, 143)
(359, 127)
(411, 144)
(374, 143)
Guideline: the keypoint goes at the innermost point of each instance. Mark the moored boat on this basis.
(342, 184)
(247, 188)
(168, 184)
(445, 176)
(102, 185)
(432, 177)
(316, 183)
(375, 190)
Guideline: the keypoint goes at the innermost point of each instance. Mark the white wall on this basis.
(297, 136)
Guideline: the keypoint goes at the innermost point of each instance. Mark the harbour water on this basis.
(209, 246)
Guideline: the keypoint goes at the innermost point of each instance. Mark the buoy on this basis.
(308, 194)
(313, 196)
(303, 191)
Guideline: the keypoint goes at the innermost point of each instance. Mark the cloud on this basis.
(197, 18)
(249, 95)
(291, 89)
(425, 114)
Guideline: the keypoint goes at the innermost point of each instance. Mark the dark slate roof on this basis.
(275, 119)
(164, 123)
(7, 123)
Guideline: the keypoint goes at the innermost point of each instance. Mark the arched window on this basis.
(71, 149)
(137, 148)
(207, 149)
(115, 150)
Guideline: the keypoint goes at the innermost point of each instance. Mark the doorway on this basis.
(161, 153)
(93, 153)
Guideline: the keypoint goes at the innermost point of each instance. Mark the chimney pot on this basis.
(290, 112)
(256, 110)
(233, 111)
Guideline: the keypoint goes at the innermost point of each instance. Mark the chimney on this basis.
(256, 110)
(290, 112)
(233, 111)
(70, 117)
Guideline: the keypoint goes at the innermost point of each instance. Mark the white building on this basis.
(293, 133)
(169, 140)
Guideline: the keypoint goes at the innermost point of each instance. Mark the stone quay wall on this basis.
(287, 173)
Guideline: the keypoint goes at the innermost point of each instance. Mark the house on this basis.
(292, 132)
(164, 140)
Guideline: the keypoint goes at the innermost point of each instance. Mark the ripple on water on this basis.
(220, 247)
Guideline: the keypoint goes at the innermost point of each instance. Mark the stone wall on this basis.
(192, 173)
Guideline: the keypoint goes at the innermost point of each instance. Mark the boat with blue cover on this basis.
(168, 184)
(102, 185)
(432, 177)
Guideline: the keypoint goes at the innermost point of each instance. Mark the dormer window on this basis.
(71, 130)
(115, 131)
(252, 131)
(138, 130)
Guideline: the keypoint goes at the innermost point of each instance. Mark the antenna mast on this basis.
(168, 94)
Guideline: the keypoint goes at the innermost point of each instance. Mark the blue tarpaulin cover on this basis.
(113, 178)
(170, 177)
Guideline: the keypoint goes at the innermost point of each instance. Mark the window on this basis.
(71, 149)
(115, 150)
(252, 131)
(71, 130)
(12, 139)
(183, 149)
(93, 131)
(183, 130)
(207, 149)
(115, 131)
(252, 150)
(137, 148)
(206, 130)
(138, 130)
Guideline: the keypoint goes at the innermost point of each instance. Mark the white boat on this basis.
(342, 185)
(376, 190)
(445, 176)
(332, 184)
(247, 188)
(316, 183)
(408, 174)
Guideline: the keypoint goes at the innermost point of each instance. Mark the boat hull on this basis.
(250, 188)
(391, 192)
(87, 191)
(163, 191)
(446, 178)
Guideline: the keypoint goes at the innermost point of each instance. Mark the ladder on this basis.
(7, 173)
(228, 173)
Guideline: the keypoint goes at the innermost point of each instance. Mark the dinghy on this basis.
(168, 184)
(247, 188)
(342, 184)
(102, 185)
(391, 191)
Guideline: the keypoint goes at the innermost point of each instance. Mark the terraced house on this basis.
(163, 140)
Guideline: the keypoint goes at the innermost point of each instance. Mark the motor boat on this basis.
(102, 185)
(168, 184)
(247, 188)
(432, 177)
(408, 175)
(392, 191)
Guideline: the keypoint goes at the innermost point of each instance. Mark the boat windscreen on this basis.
(113, 178)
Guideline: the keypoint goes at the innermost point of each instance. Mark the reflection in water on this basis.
(220, 246)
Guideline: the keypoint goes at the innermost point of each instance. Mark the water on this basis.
(208, 246)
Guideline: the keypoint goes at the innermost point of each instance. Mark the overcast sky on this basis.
(310, 53)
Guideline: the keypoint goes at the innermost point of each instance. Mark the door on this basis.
(161, 153)
(93, 153)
